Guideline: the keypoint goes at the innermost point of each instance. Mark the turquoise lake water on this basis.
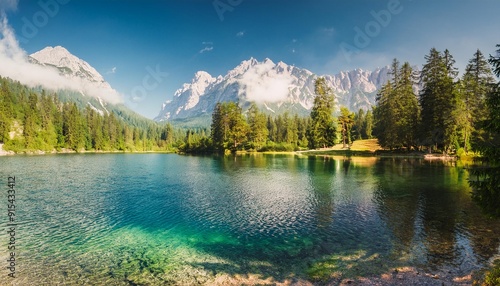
(159, 219)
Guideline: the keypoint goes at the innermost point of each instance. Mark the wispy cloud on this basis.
(111, 71)
(240, 34)
(15, 65)
(206, 49)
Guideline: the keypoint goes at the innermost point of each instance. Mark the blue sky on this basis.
(126, 40)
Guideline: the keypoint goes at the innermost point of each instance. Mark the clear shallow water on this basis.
(155, 219)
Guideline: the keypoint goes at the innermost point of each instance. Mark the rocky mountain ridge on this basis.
(276, 88)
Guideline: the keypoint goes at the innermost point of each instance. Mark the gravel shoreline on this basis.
(398, 276)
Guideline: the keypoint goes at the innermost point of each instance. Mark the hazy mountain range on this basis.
(275, 87)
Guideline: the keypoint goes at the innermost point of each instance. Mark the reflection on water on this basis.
(158, 219)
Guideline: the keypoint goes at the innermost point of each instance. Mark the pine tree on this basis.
(438, 101)
(73, 127)
(385, 115)
(476, 83)
(31, 116)
(280, 129)
(219, 128)
(359, 125)
(368, 126)
(407, 103)
(48, 130)
(321, 130)
(257, 122)
(229, 129)
(346, 121)
(291, 130)
(301, 130)
(271, 127)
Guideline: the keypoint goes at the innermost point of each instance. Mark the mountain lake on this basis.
(167, 219)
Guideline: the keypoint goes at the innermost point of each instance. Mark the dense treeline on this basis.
(32, 120)
(447, 113)
(234, 130)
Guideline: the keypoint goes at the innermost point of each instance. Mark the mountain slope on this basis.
(90, 88)
(276, 88)
(67, 64)
(79, 75)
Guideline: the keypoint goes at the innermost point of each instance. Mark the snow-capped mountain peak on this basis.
(67, 63)
(242, 67)
(80, 75)
(276, 88)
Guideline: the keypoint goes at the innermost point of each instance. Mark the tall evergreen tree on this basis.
(321, 129)
(346, 121)
(368, 126)
(438, 100)
(238, 127)
(73, 127)
(359, 125)
(257, 122)
(272, 129)
(407, 103)
(291, 130)
(385, 115)
(218, 128)
(397, 111)
(31, 116)
(229, 129)
(301, 130)
(476, 83)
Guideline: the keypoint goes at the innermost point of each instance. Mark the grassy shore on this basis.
(359, 148)
(368, 147)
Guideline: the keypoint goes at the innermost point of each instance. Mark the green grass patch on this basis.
(492, 277)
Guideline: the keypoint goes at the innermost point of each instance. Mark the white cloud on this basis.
(206, 49)
(111, 71)
(15, 65)
(6, 5)
(240, 34)
(262, 83)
